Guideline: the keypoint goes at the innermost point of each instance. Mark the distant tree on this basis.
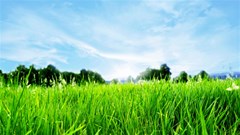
(156, 74)
(165, 72)
(149, 74)
(90, 76)
(49, 75)
(69, 77)
(130, 79)
(115, 81)
(4, 77)
(145, 75)
(98, 78)
(83, 75)
(19, 75)
(34, 77)
(203, 75)
(183, 77)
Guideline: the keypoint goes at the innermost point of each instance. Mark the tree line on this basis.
(50, 75)
(164, 73)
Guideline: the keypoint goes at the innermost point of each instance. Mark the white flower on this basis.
(229, 89)
(234, 86)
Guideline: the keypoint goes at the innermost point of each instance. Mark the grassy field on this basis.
(150, 108)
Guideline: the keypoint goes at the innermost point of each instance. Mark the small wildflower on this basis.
(234, 87)
(229, 89)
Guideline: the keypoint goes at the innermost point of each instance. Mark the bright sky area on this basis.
(118, 38)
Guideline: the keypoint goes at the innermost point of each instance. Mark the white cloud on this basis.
(183, 43)
(34, 39)
(183, 34)
(167, 6)
(122, 70)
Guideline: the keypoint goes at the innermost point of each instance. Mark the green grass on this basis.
(151, 108)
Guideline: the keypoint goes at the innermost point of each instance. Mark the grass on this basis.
(151, 108)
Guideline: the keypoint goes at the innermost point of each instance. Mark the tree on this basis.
(149, 74)
(156, 74)
(90, 76)
(115, 81)
(183, 77)
(98, 78)
(33, 77)
(19, 75)
(203, 75)
(3, 77)
(83, 75)
(130, 79)
(145, 75)
(49, 75)
(69, 77)
(165, 72)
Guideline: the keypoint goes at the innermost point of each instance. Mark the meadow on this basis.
(159, 107)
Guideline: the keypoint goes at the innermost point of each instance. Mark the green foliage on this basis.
(165, 72)
(90, 76)
(114, 81)
(156, 107)
(203, 75)
(69, 77)
(183, 77)
(156, 74)
(48, 76)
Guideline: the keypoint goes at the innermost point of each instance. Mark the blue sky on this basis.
(120, 38)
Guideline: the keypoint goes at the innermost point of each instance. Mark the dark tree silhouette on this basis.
(183, 77)
(202, 75)
(90, 76)
(33, 77)
(48, 76)
(165, 72)
(69, 77)
(19, 75)
(156, 74)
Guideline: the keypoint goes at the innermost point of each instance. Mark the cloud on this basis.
(187, 35)
(122, 70)
(196, 41)
(34, 39)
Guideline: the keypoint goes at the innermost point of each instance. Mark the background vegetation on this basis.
(84, 104)
(50, 75)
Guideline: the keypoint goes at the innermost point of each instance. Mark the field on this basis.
(159, 107)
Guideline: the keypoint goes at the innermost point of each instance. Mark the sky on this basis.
(118, 38)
